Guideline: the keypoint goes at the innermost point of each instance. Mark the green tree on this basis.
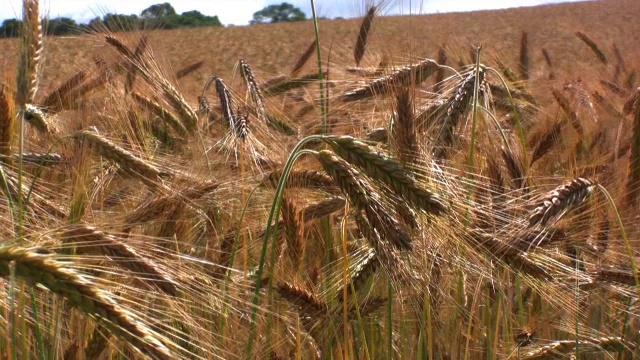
(278, 13)
(158, 11)
(10, 28)
(118, 22)
(193, 19)
(61, 26)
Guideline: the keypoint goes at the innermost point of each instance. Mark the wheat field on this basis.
(456, 186)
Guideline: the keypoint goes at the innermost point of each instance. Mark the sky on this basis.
(239, 12)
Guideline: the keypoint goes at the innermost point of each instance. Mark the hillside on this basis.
(273, 49)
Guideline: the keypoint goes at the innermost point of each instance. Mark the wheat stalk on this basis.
(84, 295)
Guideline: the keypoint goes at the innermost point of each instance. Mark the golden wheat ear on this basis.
(37, 269)
(560, 199)
(30, 52)
(7, 122)
(303, 59)
(412, 75)
(363, 34)
(525, 59)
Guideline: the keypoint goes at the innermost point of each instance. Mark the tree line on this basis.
(159, 16)
(156, 16)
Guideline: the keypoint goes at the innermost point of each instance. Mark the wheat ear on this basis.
(525, 60)
(31, 49)
(7, 122)
(281, 86)
(300, 179)
(457, 106)
(364, 197)
(404, 128)
(559, 199)
(254, 89)
(593, 46)
(84, 295)
(410, 75)
(88, 239)
(633, 182)
(382, 168)
(363, 34)
(440, 73)
(160, 112)
(132, 70)
(306, 55)
(133, 165)
(294, 231)
(548, 139)
(59, 96)
(551, 350)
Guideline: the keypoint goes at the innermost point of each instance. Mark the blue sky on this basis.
(239, 12)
